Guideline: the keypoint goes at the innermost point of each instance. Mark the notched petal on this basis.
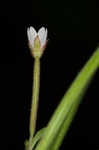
(44, 39)
(41, 34)
(33, 32)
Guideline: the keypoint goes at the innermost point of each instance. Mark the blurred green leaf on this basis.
(62, 117)
(65, 127)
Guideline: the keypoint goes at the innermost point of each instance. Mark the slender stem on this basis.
(35, 96)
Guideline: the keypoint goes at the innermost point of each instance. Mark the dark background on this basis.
(73, 33)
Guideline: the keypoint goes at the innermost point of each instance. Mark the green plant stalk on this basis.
(68, 100)
(35, 96)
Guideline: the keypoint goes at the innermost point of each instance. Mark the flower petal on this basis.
(44, 38)
(41, 34)
(33, 33)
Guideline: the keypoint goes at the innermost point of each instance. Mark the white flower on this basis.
(37, 41)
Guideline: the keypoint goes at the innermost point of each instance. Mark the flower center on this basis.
(37, 44)
(37, 47)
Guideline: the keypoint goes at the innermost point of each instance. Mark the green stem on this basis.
(35, 96)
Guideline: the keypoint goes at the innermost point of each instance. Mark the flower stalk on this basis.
(35, 96)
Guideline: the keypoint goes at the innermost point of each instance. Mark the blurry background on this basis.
(73, 33)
